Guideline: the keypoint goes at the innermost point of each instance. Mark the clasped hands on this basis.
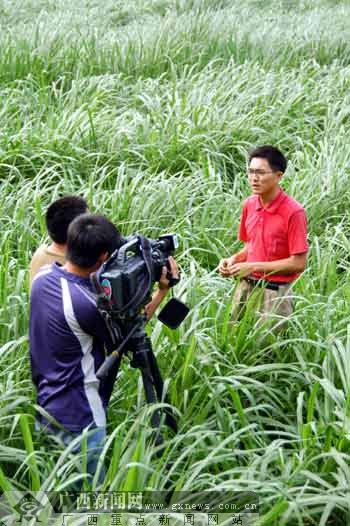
(234, 267)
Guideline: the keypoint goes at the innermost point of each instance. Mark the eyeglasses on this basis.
(259, 173)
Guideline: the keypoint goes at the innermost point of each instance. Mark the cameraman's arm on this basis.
(163, 288)
(156, 300)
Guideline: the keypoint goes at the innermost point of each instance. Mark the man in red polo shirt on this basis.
(273, 228)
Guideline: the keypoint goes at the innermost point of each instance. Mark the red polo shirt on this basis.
(275, 232)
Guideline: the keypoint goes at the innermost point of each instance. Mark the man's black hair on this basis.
(61, 213)
(90, 236)
(273, 155)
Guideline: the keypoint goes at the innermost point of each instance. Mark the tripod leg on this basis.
(159, 387)
(152, 399)
(144, 359)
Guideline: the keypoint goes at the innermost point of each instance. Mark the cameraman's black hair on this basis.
(273, 155)
(89, 236)
(61, 213)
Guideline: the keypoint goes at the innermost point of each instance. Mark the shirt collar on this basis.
(58, 268)
(274, 205)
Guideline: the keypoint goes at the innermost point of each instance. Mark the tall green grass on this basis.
(147, 108)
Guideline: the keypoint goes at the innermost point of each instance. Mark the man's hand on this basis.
(163, 288)
(225, 264)
(240, 270)
(174, 271)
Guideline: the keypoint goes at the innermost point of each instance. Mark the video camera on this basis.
(123, 285)
(126, 279)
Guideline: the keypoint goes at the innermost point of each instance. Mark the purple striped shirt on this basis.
(67, 337)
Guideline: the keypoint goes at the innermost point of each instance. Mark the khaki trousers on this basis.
(272, 305)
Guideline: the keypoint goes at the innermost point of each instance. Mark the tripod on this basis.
(139, 344)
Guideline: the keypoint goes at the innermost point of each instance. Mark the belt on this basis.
(272, 285)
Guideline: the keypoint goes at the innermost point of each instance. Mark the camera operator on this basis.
(69, 338)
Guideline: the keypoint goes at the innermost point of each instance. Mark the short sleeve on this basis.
(242, 232)
(297, 233)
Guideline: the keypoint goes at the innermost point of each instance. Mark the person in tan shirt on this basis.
(58, 217)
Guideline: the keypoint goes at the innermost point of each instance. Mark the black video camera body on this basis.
(125, 280)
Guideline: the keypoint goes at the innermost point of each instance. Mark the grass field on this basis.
(147, 109)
